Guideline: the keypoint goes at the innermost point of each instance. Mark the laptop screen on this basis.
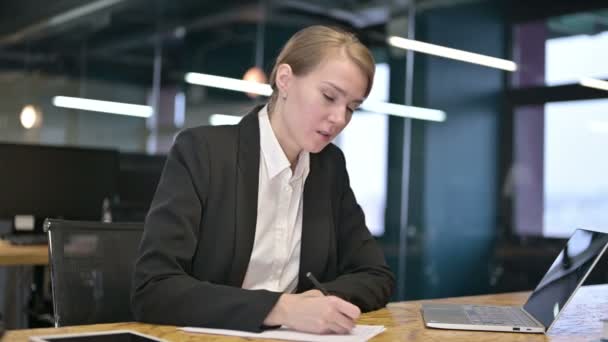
(567, 273)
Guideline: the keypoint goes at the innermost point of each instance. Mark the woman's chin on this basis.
(316, 148)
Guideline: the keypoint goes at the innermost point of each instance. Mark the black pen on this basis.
(316, 283)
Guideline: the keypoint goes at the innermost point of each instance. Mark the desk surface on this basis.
(579, 322)
(11, 255)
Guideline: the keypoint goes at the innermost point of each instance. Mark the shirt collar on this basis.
(303, 166)
(274, 157)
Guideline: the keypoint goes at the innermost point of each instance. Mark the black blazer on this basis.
(200, 229)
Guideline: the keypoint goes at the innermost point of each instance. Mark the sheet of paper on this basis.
(359, 333)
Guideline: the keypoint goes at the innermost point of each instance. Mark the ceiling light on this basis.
(257, 75)
(30, 117)
(404, 111)
(228, 83)
(594, 83)
(442, 51)
(103, 106)
(223, 119)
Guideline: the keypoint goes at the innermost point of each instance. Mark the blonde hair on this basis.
(310, 46)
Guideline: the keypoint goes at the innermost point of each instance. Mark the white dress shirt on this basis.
(275, 258)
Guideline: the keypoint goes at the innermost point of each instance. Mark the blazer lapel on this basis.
(247, 175)
(316, 224)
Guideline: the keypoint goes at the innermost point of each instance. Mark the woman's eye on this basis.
(328, 98)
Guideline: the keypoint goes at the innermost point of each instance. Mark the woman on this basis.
(242, 213)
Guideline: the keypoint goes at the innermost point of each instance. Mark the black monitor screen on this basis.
(567, 273)
(138, 177)
(47, 181)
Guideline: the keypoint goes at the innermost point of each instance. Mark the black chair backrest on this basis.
(91, 267)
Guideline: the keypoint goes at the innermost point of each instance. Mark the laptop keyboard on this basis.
(492, 315)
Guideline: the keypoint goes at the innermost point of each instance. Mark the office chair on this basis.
(91, 266)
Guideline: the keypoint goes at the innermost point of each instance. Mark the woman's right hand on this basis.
(314, 314)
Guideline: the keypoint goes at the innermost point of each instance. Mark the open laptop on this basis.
(553, 293)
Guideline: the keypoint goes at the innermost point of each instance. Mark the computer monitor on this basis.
(59, 182)
(138, 177)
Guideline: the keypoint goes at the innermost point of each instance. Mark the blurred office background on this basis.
(480, 202)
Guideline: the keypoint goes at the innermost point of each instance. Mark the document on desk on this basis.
(360, 333)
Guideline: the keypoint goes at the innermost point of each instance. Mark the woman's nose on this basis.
(338, 116)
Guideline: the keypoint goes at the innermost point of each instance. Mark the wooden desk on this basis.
(11, 255)
(404, 322)
(18, 279)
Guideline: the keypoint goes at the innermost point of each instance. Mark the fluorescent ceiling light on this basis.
(103, 106)
(223, 119)
(404, 111)
(82, 11)
(228, 83)
(266, 90)
(593, 83)
(442, 51)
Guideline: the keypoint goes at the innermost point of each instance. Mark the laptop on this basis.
(547, 301)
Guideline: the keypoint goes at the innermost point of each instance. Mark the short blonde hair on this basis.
(310, 46)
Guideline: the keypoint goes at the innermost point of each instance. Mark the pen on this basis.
(316, 283)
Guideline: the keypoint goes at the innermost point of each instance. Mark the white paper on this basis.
(359, 333)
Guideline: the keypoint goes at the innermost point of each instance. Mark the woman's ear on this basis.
(283, 79)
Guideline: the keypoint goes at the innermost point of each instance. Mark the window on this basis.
(559, 172)
(576, 167)
(570, 58)
(560, 50)
(556, 180)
